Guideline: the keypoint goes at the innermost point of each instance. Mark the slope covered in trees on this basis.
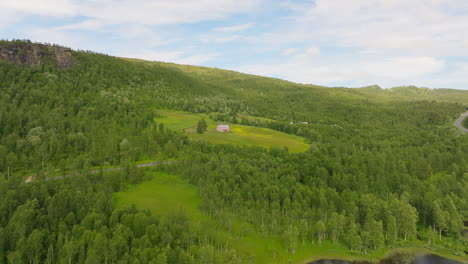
(386, 168)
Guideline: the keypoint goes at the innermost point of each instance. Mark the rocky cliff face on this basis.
(34, 55)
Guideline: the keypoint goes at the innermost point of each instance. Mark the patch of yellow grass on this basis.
(239, 135)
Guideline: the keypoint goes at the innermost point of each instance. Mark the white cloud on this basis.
(308, 53)
(225, 39)
(144, 33)
(83, 25)
(457, 78)
(389, 72)
(56, 37)
(234, 28)
(163, 12)
(416, 28)
(39, 7)
(389, 42)
(289, 51)
(180, 57)
(314, 51)
(7, 19)
(131, 11)
(403, 68)
(226, 34)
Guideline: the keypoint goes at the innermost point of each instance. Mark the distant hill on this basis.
(417, 93)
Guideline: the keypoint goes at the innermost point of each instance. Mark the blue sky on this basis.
(328, 42)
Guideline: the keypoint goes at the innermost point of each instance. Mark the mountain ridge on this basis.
(35, 51)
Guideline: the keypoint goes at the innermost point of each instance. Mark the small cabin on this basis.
(223, 128)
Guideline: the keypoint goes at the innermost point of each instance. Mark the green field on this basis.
(163, 195)
(239, 135)
(167, 194)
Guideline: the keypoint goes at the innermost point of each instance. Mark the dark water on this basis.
(331, 261)
(423, 259)
(434, 259)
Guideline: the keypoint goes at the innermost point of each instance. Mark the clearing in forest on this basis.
(167, 194)
(239, 135)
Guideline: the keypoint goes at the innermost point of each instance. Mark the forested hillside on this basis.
(385, 168)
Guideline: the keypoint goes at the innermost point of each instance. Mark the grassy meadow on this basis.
(164, 194)
(239, 135)
(167, 194)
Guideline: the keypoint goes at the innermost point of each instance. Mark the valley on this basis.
(120, 174)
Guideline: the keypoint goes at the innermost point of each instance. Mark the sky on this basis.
(348, 43)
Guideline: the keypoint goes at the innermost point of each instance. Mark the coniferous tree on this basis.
(201, 126)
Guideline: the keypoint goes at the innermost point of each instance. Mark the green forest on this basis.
(384, 169)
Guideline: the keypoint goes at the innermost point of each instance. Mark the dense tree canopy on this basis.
(382, 170)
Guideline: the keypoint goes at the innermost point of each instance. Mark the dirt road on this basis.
(149, 164)
(459, 122)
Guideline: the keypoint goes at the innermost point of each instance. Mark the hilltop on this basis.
(33, 55)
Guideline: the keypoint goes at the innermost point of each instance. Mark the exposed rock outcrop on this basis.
(33, 55)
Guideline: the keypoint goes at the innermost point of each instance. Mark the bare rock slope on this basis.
(33, 55)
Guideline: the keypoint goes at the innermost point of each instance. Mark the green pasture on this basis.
(239, 135)
(164, 194)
